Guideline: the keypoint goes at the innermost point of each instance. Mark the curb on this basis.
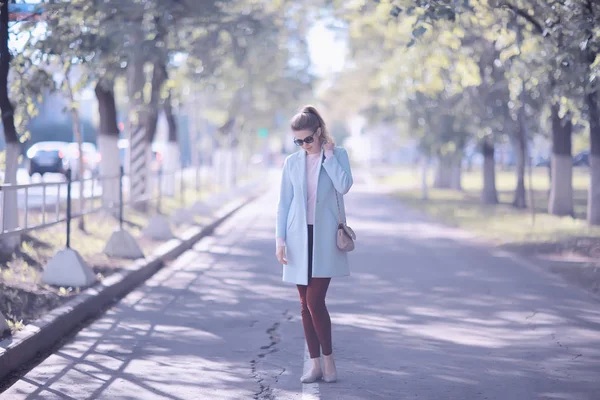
(45, 333)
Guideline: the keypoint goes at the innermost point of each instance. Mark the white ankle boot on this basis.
(329, 370)
(315, 372)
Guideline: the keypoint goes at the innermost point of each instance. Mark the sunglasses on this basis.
(307, 140)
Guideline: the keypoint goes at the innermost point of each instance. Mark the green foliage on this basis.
(477, 62)
(258, 74)
(30, 82)
(247, 56)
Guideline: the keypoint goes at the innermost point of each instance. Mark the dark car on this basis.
(582, 159)
(48, 157)
(544, 162)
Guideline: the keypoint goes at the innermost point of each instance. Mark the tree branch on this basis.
(527, 17)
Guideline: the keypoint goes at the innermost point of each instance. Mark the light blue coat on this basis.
(292, 226)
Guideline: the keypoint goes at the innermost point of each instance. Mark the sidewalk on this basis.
(425, 315)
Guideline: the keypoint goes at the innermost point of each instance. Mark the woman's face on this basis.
(311, 148)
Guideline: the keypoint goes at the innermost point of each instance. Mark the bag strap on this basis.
(339, 209)
(336, 200)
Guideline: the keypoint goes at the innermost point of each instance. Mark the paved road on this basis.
(426, 314)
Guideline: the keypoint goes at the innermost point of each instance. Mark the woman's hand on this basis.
(280, 253)
(329, 146)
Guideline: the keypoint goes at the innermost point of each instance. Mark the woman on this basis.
(309, 210)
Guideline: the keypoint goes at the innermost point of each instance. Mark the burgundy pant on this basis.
(315, 317)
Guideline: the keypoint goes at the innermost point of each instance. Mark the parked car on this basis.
(582, 159)
(91, 159)
(544, 162)
(47, 157)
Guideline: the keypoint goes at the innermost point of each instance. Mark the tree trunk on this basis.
(489, 194)
(10, 211)
(171, 157)
(10, 206)
(424, 172)
(108, 144)
(158, 78)
(443, 173)
(137, 155)
(194, 136)
(561, 192)
(593, 211)
(79, 138)
(448, 172)
(456, 173)
(224, 153)
(520, 199)
(81, 168)
(193, 130)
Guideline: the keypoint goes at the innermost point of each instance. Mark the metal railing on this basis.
(44, 204)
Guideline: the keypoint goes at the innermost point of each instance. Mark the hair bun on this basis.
(308, 118)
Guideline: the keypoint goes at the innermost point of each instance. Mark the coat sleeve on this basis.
(338, 169)
(286, 194)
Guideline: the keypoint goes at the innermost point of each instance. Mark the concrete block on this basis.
(183, 216)
(201, 208)
(123, 245)
(217, 200)
(158, 228)
(68, 269)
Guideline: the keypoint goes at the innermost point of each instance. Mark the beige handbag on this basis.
(345, 234)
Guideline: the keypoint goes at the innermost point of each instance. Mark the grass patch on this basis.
(501, 223)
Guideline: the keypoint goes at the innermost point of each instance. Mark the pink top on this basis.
(312, 172)
(313, 163)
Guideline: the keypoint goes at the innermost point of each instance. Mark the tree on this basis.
(439, 87)
(71, 92)
(25, 90)
(144, 42)
(257, 78)
(13, 148)
(570, 27)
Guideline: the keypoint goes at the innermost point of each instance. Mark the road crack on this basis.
(532, 315)
(264, 379)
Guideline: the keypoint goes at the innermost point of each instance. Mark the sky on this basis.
(327, 51)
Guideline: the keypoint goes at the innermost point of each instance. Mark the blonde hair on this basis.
(309, 119)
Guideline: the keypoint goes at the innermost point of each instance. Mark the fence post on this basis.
(182, 188)
(198, 178)
(69, 184)
(122, 244)
(121, 176)
(158, 200)
(158, 225)
(67, 267)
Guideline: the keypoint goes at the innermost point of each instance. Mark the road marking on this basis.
(310, 391)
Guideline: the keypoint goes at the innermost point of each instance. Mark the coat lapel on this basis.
(303, 178)
(317, 188)
(319, 171)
